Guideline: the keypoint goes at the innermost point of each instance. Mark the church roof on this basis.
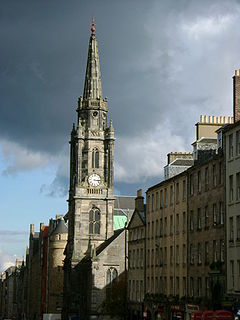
(119, 221)
(124, 202)
(106, 243)
(102, 246)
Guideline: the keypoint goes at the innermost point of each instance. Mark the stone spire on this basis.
(93, 86)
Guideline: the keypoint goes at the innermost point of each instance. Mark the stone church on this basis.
(95, 255)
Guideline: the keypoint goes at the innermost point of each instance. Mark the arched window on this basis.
(108, 276)
(94, 221)
(112, 274)
(95, 158)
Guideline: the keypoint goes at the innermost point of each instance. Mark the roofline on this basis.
(168, 180)
(185, 172)
(124, 196)
(229, 126)
(137, 211)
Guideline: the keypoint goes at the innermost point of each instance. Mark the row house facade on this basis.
(185, 237)
(45, 269)
(12, 291)
(166, 237)
(185, 234)
(192, 220)
(35, 286)
(206, 237)
(136, 258)
(229, 142)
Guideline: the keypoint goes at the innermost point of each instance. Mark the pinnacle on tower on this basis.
(93, 27)
(93, 85)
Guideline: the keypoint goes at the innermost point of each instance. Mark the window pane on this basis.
(108, 276)
(97, 215)
(97, 227)
(114, 274)
(96, 159)
(91, 228)
(91, 214)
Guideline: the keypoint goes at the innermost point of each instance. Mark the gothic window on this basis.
(95, 158)
(112, 274)
(108, 276)
(94, 221)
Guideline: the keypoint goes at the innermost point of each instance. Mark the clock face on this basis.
(94, 180)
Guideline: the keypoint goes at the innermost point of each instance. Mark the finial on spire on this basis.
(93, 26)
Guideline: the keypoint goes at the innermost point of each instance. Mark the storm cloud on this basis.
(163, 63)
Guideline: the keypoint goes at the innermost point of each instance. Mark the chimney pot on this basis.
(236, 96)
(32, 228)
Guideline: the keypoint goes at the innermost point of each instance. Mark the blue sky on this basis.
(163, 64)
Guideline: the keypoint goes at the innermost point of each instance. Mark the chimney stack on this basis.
(139, 201)
(236, 96)
(31, 228)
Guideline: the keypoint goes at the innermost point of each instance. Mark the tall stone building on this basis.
(229, 143)
(166, 237)
(44, 268)
(206, 238)
(185, 218)
(136, 258)
(94, 253)
(57, 240)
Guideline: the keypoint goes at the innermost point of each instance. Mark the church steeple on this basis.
(91, 192)
(93, 85)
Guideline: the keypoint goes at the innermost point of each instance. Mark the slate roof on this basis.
(102, 246)
(61, 227)
(106, 243)
(120, 212)
(205, 140)
(124, 202)
(142, 216)
(182, 162)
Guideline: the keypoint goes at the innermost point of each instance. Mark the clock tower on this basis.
(91, 200)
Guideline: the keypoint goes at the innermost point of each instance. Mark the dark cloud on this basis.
(163, 64)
